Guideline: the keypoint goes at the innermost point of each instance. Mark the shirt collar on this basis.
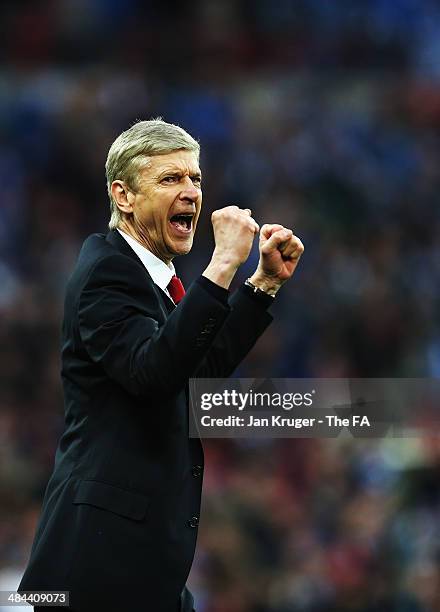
(159, 271)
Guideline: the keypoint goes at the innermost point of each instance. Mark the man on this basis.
(120, 514)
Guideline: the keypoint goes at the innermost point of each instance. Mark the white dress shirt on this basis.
(160, 272)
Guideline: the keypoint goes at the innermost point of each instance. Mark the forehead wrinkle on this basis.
(158, 166)
(176, 169)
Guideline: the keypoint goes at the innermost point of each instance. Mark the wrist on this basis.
(225, 259)
(265, 283)
(221, 269)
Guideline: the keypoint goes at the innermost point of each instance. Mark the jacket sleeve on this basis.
(245, 323)
(117, 325)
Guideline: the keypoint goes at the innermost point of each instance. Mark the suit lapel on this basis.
(116, 240)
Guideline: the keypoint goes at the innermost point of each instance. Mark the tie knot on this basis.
(176, 289)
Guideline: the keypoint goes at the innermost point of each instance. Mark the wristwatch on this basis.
(257, 290)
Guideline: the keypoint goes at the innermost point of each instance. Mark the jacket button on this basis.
(193, 521)
(197, 471)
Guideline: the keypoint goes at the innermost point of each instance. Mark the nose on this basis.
(189, 190)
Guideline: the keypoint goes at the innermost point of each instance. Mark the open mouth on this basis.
(182, 223)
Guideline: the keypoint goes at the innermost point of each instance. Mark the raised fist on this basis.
(234, 233)
(280, 251)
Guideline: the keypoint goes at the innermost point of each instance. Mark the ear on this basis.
(123, 197)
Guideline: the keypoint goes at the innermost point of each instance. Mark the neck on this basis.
(143, 239)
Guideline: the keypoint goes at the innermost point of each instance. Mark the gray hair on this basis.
(131, 150)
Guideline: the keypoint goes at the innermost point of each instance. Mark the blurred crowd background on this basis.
(324, 116)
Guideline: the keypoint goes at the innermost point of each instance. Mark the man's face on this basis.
(167, 205)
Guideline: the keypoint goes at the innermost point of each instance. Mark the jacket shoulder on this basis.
(99, 257)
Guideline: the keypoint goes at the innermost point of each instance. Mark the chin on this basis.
(182, 249)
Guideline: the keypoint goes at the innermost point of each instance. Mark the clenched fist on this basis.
(234, 232)
(280, 251)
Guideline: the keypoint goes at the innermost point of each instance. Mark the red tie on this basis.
(176, 289)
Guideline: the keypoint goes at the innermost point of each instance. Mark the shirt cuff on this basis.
(264, 299)
(219, 293)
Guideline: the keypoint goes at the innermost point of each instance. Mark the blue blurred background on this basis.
(324, 116)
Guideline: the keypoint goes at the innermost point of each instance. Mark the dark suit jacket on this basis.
(120, 513)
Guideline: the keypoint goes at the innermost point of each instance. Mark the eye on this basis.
(170, 178)
(197, 180)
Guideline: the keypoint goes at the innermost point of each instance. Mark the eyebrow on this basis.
(177, 171)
